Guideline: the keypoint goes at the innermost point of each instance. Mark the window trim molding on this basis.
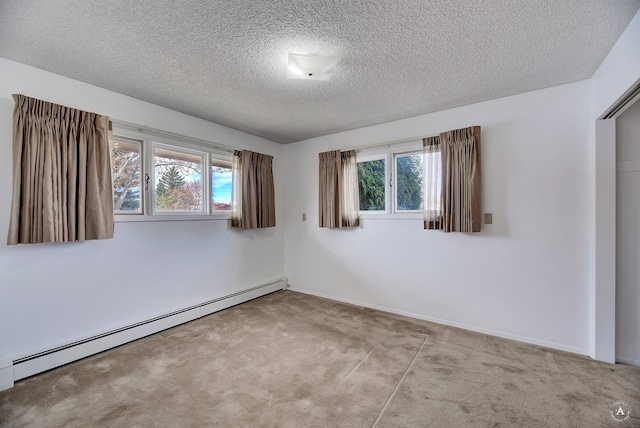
(131, 140)
(387, 178)
(394, 197)
(153, 179)
(388, 152)
(224, 215)
(149, 141)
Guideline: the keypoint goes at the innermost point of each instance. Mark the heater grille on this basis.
(57, 356)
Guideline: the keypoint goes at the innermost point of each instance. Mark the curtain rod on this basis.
(142, 128)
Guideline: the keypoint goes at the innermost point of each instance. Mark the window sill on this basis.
(398, 216)
(135, 218)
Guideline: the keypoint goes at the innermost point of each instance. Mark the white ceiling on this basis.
(225, 60)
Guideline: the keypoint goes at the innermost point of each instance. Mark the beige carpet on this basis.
(292, 360)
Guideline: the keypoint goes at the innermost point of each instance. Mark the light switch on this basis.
(488, 218)
(304, 216)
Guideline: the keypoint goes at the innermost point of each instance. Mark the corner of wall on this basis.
(6, 375)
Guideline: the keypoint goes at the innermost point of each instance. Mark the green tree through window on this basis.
(409, 179)
(371, 185)
(173, 192)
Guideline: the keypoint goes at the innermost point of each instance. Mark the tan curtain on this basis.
(254, 191)
(461, 180)
(62, 185)
(329, 192)
(338, 189)
(433, 183)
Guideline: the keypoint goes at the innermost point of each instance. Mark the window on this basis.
(162, 177)
(372, 184)
(409, 182)
(221, 184)
(393, 180)
(126, 162)
(178, 180)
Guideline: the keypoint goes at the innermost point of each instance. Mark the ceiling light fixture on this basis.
(311, 67)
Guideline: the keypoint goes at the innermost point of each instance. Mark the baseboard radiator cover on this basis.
(64, 354)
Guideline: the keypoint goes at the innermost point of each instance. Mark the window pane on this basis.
(221, 178)
(178, 181)
(371, 185)
(126, 175)
(409, 179)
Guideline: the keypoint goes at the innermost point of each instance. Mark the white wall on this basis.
(523, 277)
(51, 294)
(628, 237)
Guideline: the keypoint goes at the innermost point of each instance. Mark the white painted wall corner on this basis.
(6, 375)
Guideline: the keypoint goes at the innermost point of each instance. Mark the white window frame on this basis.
(227, 160)
(395, 156)
(388, 153)
(151, 140)
(387, 179)
(130, 140)
(205, 175)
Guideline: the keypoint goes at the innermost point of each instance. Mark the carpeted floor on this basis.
(293, 360)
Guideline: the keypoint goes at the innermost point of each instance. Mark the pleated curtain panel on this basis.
(338, 189)
(62, 184)
(254, 191)
(460, 158)
(433, 180)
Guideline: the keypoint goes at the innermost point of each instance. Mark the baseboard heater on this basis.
(55, 357)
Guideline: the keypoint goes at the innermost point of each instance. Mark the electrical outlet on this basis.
(488, 218)
(304, 216)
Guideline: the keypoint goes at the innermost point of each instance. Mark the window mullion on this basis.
(206, 183)
(390, 188)
(144, 207)
(150, 179)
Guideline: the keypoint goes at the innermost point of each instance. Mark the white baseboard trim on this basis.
(630, 361)
(67, 353)
(490, 332)
(6, 375)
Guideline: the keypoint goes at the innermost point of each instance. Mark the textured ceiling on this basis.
(226, 60)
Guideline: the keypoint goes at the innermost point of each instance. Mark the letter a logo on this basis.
(620, 411)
